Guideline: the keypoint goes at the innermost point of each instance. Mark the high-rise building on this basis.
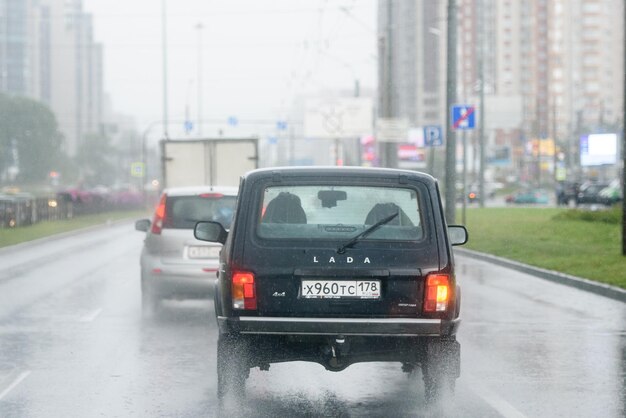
(412, 73)
(15, 45)
(47, 52)
(560, 60)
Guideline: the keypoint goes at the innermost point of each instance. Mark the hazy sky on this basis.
(257, 55)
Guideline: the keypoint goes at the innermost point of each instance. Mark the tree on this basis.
(29, 139)
(96, 159)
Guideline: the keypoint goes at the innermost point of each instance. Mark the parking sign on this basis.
(433, 136)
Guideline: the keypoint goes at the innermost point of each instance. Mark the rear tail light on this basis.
(159, 216)
(211, 195)
(436, 293)
(243, 290)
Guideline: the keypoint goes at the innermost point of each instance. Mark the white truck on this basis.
(207, 162)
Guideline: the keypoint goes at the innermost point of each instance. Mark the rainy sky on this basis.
(257, 56)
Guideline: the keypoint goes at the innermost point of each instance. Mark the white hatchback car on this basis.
(175, 265)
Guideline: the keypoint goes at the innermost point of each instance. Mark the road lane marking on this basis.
(16, 382)
(91, 316)
(496, 402)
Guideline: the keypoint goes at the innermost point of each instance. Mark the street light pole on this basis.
(481, 112)
(164, 45)
(200, 26)
(388, 150)
(624, 149)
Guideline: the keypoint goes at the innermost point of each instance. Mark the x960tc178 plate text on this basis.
(336, 289)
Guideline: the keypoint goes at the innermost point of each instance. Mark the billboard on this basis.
(340, 117)
(598, 149)
(541, 147)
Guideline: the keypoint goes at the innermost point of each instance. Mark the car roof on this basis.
(195, 190)
(338, 171)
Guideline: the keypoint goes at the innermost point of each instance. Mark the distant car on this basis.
(589, 193)
(528, 197)
(611, 194)
(473, 194)
(173, 263)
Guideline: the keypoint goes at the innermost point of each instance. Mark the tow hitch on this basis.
(335, 352)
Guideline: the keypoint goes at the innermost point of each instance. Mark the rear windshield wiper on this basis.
(365, 233)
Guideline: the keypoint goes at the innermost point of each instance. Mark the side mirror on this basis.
(210, 231)
(457, 234)
(143, 225)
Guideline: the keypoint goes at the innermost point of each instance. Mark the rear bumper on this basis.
(181, 287)
(399, 327)
(185, 280)
(181, 283)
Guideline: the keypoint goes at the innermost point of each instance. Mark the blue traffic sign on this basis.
(233, 121)
(463, 117)
(281, 125)
(188, 126)
(433, 136)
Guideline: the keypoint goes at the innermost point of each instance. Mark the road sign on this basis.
(188, 126)
(233, 121)
(392, 129)
(433, 136)
(281, 125)
(137, 169)
(463, 117)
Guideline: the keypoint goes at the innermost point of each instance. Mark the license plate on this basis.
(338, 289)
(203, 251)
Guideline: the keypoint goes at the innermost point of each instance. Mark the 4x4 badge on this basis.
(279, 295)
(349, 260)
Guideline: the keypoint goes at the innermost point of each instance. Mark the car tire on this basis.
(440, 369)
(232, 365)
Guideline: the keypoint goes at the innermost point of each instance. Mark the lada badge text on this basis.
(349, 260)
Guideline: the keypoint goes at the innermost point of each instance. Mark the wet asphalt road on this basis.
(73, 344)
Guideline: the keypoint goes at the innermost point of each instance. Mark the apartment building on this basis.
(47, 52)
(561, 61)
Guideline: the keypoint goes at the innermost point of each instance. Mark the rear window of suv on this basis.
(339, 212)
(183, 212)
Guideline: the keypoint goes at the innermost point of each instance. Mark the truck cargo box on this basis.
(207, 162)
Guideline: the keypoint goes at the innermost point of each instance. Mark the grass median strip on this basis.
(581, 243)
(573, 242)
(21, 234)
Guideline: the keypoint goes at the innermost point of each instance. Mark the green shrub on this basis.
(609, 216)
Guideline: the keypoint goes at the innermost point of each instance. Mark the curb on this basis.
(601, 289)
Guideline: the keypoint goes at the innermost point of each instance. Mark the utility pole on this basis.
(200, 26)
(450, 182)
(481, 111)
(388, 150)
(624, 148)
(164, 42)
